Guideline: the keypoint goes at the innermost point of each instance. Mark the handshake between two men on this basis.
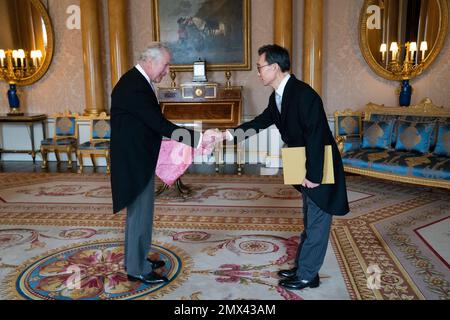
(175, 157)
(210, 139)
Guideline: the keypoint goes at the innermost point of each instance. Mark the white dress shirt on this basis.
(280, 90)
(141, 70)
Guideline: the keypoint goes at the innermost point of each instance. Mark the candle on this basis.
(394, 50)
(423, 48)
(39, 55)
(2, 58)
(412, 49)
(21, 56)
(33, 56)
(15, 55)
(383, 49)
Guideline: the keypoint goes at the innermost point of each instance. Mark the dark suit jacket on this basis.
(137, 127)
(303, 123)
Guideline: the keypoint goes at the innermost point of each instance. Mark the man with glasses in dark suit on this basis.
(298, 113)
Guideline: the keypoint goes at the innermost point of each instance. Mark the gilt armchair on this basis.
(65, 138)
(98, 144)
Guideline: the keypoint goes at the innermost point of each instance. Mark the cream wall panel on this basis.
(347, 80)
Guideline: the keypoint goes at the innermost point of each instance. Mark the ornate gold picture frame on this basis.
(370, 38)
(215, 31)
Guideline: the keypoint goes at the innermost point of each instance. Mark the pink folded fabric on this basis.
(173, 160)
(175, 157)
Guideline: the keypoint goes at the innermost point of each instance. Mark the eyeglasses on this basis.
(260, 67)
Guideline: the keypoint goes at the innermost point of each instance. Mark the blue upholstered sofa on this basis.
(407, 144)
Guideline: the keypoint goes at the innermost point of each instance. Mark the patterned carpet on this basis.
(59, 240)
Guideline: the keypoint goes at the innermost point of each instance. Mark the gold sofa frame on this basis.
(424, 108)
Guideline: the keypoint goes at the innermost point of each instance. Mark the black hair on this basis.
(276, 54)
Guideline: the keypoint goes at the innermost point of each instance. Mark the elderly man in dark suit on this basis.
(297, 111)
(137, 128)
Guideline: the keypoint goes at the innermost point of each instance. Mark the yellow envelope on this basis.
(294, 165)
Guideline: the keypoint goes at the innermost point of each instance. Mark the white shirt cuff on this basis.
(229, 136)
(200, 140)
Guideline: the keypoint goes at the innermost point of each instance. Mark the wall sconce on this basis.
(14, 66)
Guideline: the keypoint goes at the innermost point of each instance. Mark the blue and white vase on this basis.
(405, 94)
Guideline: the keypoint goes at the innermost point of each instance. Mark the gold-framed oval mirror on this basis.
(26, 25)
(388, 29)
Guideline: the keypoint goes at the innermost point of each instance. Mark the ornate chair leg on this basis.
(161, 189)
(69, 156)
(44, 158)
(108, 164)
(92, 156)
(75, 150)
(217, 156)
(80, 159)
(58, 159)
(239, 160)
(184, 188)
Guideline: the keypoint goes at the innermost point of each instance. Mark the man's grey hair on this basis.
(153, 52)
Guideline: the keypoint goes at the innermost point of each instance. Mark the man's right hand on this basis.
(226, 135)
(211, 136)
(310, 185)
(209, 139)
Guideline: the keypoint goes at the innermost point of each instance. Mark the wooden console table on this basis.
(215, 106)
(29, 120)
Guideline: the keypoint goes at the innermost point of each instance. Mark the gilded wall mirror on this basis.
(26, 41)
(399, 39)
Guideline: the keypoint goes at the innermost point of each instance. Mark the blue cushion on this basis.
(377, 134)
(352, 144)
(85, 146)
(388, 117)
(348, 125)
(394, 134)
(443, 140)
(65, 126)
(47, 142)
(59, 142)
(383, 117)
(94, 145)
(428, 119)
(403, 163)
(101, 129)
(413, 136)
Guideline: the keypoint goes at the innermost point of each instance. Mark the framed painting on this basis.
(215, 31)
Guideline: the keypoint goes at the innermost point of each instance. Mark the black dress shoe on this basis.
(297, 284)
(151, 278)
(156, 263)
(289, 273)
